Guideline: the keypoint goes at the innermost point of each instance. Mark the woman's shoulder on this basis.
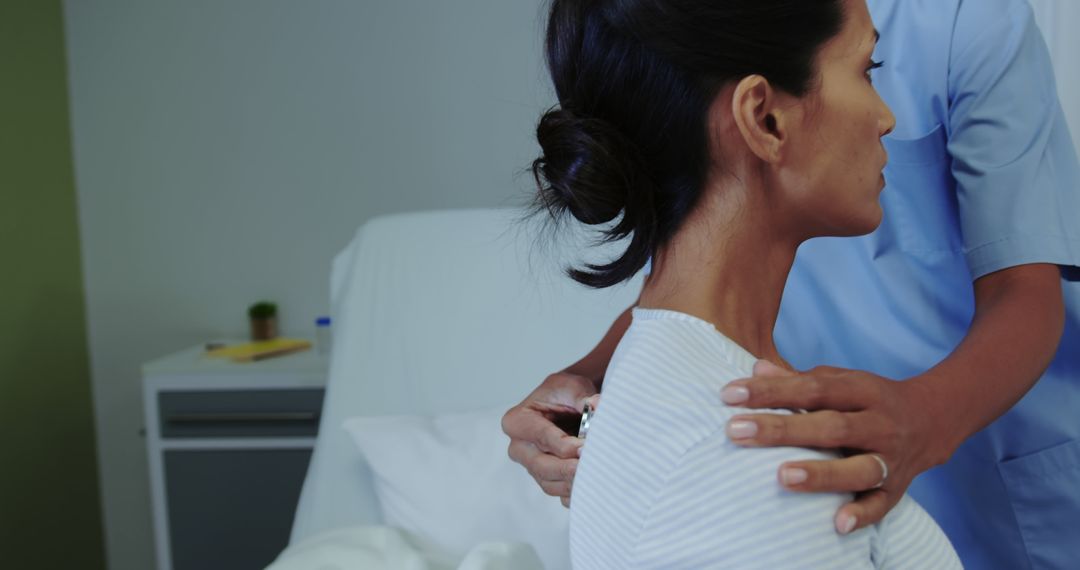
(893, 547)
(675, 340)
(673, 369)
(671, 363)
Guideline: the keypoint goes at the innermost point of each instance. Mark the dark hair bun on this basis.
(587, 166)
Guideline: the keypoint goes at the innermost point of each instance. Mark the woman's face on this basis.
(832, 168)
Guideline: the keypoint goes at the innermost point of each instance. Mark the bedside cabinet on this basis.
(228, 445)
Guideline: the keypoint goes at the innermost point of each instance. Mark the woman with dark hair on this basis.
(717, 137)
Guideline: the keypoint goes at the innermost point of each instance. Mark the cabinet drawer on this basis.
(233, 509)
(240, 413)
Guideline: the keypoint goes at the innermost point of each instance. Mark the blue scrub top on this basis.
(982, 176)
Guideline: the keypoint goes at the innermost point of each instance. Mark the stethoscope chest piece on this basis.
(586, 415)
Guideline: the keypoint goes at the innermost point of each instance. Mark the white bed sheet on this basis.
(385, 548)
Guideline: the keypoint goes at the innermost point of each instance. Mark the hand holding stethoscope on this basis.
(587, 414)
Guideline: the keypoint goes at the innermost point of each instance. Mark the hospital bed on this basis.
(442, 321)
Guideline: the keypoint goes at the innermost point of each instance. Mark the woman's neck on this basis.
(728, 265)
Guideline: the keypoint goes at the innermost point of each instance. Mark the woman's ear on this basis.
(759, 119)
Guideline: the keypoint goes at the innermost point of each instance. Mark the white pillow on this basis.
(448, 479)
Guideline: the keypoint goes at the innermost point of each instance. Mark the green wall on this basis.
(50, 514)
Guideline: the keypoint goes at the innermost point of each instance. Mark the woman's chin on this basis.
(864, 223)
(874, 219)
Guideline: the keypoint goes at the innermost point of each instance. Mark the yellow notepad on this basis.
(259, 350)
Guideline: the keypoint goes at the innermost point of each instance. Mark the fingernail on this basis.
(580, 447)
(741, 429)
(792, 475)
(735, 394)
(845, 523)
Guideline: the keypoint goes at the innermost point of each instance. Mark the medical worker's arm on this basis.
(916, 424)
(1016, 179)
(536, 442)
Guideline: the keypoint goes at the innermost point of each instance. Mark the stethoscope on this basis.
(586, 415)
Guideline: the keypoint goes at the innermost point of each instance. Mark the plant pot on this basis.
(264, 329)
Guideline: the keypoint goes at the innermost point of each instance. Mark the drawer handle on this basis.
(242, 417)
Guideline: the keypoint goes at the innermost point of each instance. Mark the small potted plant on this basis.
(263, 317)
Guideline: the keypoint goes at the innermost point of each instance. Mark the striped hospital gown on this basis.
(660, 486)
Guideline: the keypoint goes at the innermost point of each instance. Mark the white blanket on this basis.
(387, 548)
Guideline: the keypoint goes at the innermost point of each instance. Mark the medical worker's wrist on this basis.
(942, 429)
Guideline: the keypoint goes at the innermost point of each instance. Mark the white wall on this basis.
(225, 151)
(1059, 20)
